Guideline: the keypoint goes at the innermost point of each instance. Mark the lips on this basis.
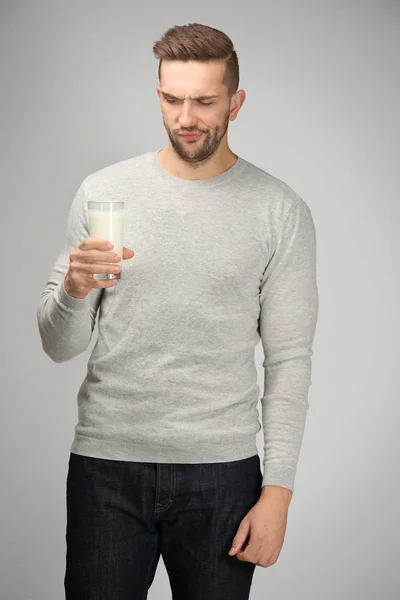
(190, 136)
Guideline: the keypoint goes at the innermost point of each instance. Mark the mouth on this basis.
(191, 136)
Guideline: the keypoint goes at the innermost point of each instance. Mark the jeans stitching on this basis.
(172, 492)
(157, 488)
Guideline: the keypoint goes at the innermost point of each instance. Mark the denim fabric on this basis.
(122, 515)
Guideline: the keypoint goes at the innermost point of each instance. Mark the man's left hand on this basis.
(265, 526)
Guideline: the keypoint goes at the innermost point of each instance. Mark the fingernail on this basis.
(232, 550)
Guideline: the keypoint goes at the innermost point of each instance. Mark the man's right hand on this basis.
(83, 262)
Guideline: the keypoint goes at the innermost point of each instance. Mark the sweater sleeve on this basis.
(66, 323)
(288, 316)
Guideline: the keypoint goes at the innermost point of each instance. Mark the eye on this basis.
(174, 101)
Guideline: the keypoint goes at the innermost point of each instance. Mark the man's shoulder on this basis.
(119, 172)
(270, 187)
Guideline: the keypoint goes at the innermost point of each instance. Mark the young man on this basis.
(164, 459)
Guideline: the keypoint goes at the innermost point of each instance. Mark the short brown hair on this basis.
(202, 43)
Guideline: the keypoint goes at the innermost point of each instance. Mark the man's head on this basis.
(199, 78)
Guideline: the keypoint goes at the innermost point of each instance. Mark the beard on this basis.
(198, 152)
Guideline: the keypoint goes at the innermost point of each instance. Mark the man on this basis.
(164, 459)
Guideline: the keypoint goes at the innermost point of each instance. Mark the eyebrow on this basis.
(166, 95)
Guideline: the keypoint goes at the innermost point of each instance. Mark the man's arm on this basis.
(66, 323)
(288, 316)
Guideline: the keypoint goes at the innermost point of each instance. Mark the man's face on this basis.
(194, 100)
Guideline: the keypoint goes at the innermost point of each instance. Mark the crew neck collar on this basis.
(223, 177)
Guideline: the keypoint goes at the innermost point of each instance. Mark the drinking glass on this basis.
(106, 221)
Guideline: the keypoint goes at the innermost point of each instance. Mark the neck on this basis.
(221, 161)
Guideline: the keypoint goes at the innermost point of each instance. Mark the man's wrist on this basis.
(277, 490)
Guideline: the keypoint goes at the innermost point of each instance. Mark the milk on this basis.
(108, 225)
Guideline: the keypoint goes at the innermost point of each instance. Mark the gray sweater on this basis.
(219, 264)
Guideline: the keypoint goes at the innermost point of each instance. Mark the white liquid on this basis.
(108, 226)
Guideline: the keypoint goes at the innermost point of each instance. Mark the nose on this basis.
(186, 116)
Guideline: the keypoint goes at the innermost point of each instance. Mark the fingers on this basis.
(254, 551)
(96, 249)
(248, 551)
(127, 253)
(79, 285)
(240, 537)
(94, 243)
(93, 256)
(98, 268)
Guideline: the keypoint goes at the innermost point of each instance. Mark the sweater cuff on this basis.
(75, 304)
(285, 480)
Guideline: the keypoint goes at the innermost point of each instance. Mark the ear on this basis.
(158, 88)
(237, 101)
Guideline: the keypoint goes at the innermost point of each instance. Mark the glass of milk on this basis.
(106, 221)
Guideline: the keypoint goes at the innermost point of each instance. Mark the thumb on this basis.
(240, 537)
(127, 253)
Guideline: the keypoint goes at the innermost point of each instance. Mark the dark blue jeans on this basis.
(122, 515)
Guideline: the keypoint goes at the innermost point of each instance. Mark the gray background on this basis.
(322, 80)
